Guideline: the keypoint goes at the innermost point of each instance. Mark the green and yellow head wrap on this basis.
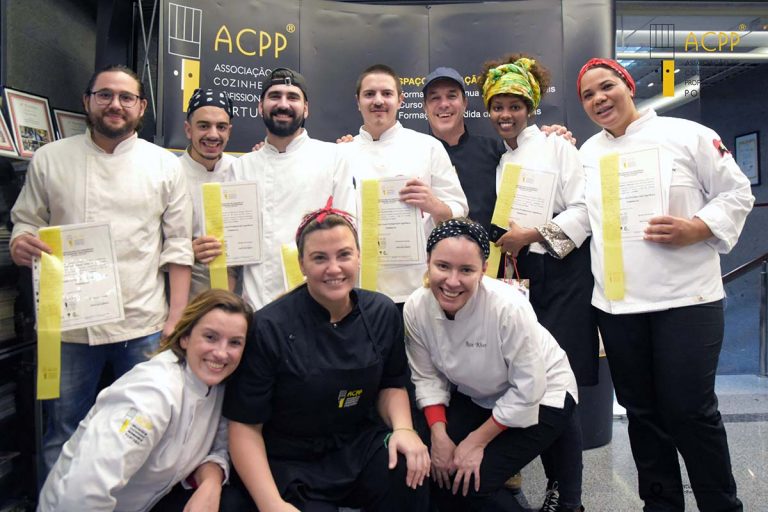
(515, 78)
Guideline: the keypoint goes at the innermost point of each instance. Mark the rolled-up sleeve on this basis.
(432, 387)
(573, 220)
(522, 339)
(177, 220)
(726, 189)
(445, 182)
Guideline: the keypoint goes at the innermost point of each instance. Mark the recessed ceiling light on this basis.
(650, 84)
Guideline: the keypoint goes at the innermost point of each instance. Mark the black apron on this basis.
(561, 296)
(335, 432)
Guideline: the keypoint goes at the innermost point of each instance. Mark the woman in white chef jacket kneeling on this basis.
(160, 424)
(494, 385)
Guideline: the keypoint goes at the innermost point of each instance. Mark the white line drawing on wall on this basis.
(184, 30)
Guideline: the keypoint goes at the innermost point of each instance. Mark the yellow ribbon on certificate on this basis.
(214, 226)
(369, 245)
(291, 269)
(510, 175)
(49, 315)
(614, 259)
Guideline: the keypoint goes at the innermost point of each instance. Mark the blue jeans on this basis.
(81, 367)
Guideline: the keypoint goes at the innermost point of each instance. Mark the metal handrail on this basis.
(760, 261)
(743, 269)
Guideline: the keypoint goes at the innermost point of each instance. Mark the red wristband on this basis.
(501, 427)
(434, 414)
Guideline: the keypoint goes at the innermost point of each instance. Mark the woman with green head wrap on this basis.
(545, 233)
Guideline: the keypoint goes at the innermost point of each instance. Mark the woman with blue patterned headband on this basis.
(494, 385)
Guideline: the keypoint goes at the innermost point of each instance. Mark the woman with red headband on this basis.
(319, 414)
(553, 253)
(665, 197)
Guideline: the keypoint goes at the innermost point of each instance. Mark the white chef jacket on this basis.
(494, 351)
(291, 184)
(538, 152)
(141, 191)
(699, 181)
(406, 153)
(147, 432)
(196, 175)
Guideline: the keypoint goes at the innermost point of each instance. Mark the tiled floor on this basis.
(610, 479)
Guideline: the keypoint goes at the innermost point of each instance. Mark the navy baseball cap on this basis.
(444, 73)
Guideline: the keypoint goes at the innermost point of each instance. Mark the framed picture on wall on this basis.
(69, 123)
(748, 155)
(6, 142)
(30, 118)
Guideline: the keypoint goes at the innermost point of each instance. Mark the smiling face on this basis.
(113, 120)
(445, 103)
(215, 345)
(331, 261)
(378, 102)
(208, 131)
(283, 109)
(509, 116)
(607, 100)
(455, 269)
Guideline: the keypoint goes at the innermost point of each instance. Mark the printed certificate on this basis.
(6, 142)
(30, 119)
(91, 282)
(241, 217)
(69, 123)
(401, 228)
(640, 191)
(534, 198)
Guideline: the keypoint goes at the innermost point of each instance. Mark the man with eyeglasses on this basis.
(109, 174)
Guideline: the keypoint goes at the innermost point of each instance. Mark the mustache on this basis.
(282, 111)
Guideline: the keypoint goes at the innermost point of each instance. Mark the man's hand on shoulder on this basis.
(560, 131)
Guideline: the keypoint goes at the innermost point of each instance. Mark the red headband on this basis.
(608, 63)
(320, 215)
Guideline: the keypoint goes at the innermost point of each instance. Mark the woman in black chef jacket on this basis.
(318, 411)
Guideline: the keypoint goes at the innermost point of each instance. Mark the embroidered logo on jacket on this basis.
(720, 147)
(135, 426)
(349, 398)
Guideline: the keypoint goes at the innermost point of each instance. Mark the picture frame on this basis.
(747, 154)
(30, 120)
(69, 123)
(7, 147)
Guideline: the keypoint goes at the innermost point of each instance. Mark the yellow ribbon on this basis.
(291, 269)
(510, 176)
(613, 266)
(214, 226)
(49, 316)
(369, 267)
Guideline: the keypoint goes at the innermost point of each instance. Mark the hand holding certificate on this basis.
(240, 214)
(401, 231)
(91, 285)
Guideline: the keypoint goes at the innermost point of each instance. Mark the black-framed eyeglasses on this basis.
(105, 96)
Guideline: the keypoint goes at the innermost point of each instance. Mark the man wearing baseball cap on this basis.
(475, 157)
(208, 126)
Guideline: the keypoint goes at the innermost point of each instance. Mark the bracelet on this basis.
(386, 438)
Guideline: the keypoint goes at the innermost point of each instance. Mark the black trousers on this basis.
(507, 454)
(663, 366)
(376, 489)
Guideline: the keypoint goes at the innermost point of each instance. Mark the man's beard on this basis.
(283, 129)
(96, 123)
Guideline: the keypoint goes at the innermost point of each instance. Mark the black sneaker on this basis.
(551, 499)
